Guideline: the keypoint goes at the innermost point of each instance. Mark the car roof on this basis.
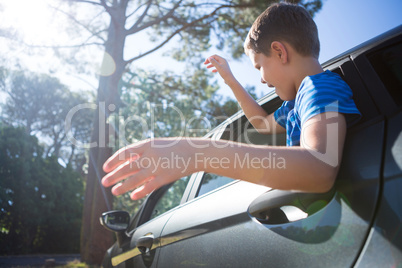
(363, 47)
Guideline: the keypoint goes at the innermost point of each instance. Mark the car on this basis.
(205, 220)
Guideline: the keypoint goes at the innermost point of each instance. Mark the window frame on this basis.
(382, 68)
(372, 80)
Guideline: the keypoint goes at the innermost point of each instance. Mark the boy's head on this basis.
(284, 22)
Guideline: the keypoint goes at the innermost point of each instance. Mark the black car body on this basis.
(220, 222)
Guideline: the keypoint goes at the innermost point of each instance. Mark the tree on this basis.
(40, 201)
(28, 99)
(40, 104)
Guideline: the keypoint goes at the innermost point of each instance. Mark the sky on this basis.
(342, 24)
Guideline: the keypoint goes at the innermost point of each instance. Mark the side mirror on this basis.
(115, 221)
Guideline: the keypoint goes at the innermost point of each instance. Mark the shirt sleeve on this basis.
(327, 97)
(281, 114)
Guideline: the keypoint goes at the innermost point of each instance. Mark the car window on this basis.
(159, 202)
(211, 182)
(171, 198)
(242, 131)
(387, 63)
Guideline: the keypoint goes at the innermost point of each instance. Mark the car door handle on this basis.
(268, 204)
(144, 243)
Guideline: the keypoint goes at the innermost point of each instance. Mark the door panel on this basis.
(386, 235)
(381, 68)
(236, 240)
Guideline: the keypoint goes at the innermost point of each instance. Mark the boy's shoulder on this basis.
(322, 84)
(324, 92)
(324, 78)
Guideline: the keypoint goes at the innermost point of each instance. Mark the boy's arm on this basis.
(261, 121)
(312, 167)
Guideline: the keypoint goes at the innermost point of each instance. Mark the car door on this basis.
(381, 67)
(240, 224)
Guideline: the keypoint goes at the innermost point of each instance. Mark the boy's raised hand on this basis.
(221, 66)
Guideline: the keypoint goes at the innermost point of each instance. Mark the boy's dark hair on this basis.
(284, 22)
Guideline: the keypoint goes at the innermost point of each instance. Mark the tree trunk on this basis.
(95, 239)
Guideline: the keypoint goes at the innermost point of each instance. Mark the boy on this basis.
(283, 45)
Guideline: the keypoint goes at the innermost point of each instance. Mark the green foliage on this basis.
(224, 25)
(40, 104)
(40, 201)
(29, 96)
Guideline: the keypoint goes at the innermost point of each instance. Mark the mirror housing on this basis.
(116, 221)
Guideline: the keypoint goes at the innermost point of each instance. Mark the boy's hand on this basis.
(147, 165)
(221, 66)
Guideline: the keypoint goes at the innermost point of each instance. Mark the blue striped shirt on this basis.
(320, 93)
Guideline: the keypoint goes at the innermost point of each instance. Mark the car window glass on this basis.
(241, 130)
(211, 182)
(252, 136)
(387, 63)
(171, 198)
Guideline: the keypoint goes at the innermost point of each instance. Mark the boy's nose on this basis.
(263, 81)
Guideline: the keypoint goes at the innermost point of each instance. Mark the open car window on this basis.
(171, 198)
(211, 182)
(241, 130)
(159, 202)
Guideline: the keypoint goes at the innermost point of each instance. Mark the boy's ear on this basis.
(279, 50)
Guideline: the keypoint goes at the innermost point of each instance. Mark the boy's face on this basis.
(273, 73)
